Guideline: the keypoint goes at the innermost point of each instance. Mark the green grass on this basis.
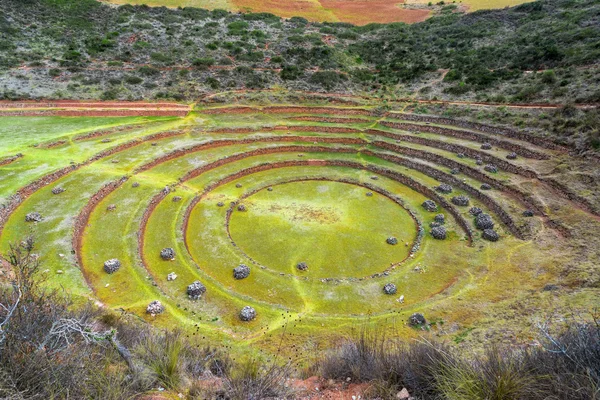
(332, 226)
(306, 222)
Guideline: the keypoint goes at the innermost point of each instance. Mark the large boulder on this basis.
(196, 290)
(417, 319)
(484, 221)
(34, 217)
(444, 188)
(429, 205)
(111, 266)
(242, 271)
(490, 235)
(438, 232)
(390, 288)
(167, 254)
(155, 307)
(247, 314)
(460, 200)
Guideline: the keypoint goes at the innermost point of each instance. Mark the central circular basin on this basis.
(338, 230)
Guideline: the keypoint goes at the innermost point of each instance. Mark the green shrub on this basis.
(203, 63)
(290, 72)
(133, 80)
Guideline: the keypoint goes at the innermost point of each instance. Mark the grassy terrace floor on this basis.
(317, 189)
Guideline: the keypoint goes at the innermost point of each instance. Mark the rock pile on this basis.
(438, 232)
(484, 221)
(417, 319)
(242, 271)
(112, 265)
(369, 194)
(167, 254)
(485, 186)
(58, 190)
(475, 211)
(241, 207)
(247, 314)
(491, 168)
(135, 185)
(491, 235)
(440, 219)
(390, 288)
(111, 207)
(196, 290)
(155, 307)
(486, 146)
(511, 156)
(392, 240)
(302, 266)
(429, 205)
(444, 188)
(460, 200)
(176, 199)
(220, 204)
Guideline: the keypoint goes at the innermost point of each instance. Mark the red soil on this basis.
(362, 12)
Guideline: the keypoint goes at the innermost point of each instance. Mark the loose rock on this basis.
(241, 207)
(111, 207)
(196, 290)
(455, 171)
(167, 254)
(486, 146)
(490, 235)
(155, 307)
(176, 199)
(220, 204)
(390, 288)
(238, 185)
(135, 185)
(429, 205)
(247, 314)
(460, 155)
(58, 190)
(369, 194)
(242, 271)
(485, 186)
(172, 276)
(438, 232)
(511, 156)
(34, 217)
(528, 213)
(112, 265)
(440, 218)
(460, 201)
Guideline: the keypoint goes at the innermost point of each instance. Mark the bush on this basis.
(133, 80)
(327, 79)
(290, 72)
(203, 63)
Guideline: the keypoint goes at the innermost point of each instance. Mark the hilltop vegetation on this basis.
(85, 49)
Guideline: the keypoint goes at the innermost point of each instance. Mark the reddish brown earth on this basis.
(70, 108)
(362, 12)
